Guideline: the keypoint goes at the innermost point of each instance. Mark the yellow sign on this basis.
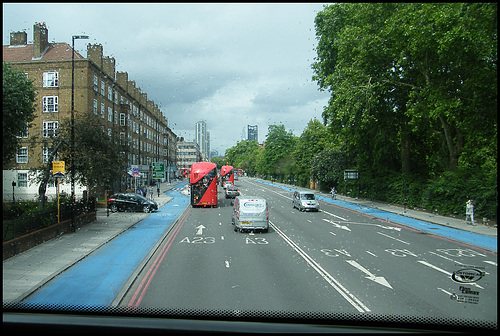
(57, 167)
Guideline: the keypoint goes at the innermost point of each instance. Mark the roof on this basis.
(24, 53)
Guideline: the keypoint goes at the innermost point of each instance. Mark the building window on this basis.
(109, 132)
(22, 155)
(46, 153)
(50, 128)
(102, 110)
(122, 119)
(110, 114)
(110, 93)
(116, 117)
(24, 133)
(95, 106)
(103, 89)
(96, 84)
(22, 180)
(50, 79)
(50, 104)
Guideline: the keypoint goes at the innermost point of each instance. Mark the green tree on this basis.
(278, 146)
(240, 156)
(314, 139)
(18, 109)
(413, 89)
(100, 158)
(401, 72)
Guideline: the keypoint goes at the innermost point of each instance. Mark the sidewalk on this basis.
(457, 223)
(26, 272)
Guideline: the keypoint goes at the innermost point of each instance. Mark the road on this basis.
(336, 260)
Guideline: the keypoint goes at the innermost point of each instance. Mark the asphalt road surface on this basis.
(334, 260)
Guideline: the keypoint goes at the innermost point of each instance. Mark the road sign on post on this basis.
(58, 168)
(158, 170)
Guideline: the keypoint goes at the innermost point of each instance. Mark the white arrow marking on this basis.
(343, 227)
(199, 229)
(373, 277)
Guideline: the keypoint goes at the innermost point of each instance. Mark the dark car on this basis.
(131, 202)
(232, 191)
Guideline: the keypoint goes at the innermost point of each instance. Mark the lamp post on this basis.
(72, 158)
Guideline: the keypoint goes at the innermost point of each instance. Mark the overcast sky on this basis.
(231, 65)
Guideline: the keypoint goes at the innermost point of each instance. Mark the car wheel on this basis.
(114, 208)
(145, 209)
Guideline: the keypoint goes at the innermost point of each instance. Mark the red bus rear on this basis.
(203, 183)
(226, 174)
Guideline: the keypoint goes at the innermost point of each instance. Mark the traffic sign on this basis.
(58, 169)
(158, 170)
(58, 175)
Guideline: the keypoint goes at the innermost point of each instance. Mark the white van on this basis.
(305, 200)
(250, 213)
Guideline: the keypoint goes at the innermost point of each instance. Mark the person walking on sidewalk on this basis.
(158, 189)
(150, 192)
(469, 212)
(334, 193)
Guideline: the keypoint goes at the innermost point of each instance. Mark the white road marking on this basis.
(328, 213)
(199, 229)
(354, 301)
(444, 271)
(378, 279)
(343, 227)
(399, 240)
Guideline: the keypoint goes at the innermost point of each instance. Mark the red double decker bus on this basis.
(203, 182)
(226, 174)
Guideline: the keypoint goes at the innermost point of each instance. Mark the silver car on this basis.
(250, 213)
(305, 200)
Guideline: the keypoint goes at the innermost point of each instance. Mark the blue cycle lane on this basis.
(97, 279)
(471, 238)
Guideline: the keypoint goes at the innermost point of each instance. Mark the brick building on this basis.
(120, 105)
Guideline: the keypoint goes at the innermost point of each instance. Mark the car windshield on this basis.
(361, 137)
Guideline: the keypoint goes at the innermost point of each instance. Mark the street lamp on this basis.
(72, 157)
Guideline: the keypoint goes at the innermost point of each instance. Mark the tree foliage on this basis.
(100, 158)
(18, 109)
(413, 106)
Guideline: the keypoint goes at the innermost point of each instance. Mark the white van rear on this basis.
(250, 213)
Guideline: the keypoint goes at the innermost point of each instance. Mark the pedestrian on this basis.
(334, 193)
(158, 189)
(469, 212)
(151, 192)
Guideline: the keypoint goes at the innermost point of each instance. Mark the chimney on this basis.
(94, 53)
(122, 79)
(40, 39)
(108, 64)
(18, 38)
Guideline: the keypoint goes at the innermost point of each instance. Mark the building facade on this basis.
(99, 89)
(253, 133)
(187, 153)
(202, 138)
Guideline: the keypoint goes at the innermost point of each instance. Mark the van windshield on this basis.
(308, 196)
